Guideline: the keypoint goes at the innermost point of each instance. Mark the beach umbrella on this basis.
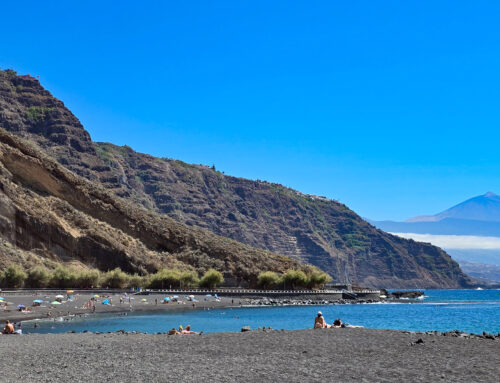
(2, 298)
(55, 303)
(70, 291)
(105, 302)
(59, 296)
(96, 296)
(20, 306)
(190, 296)
(176, 297)
(208, 295)
(166, 299)
(144, 300)
(38, 301)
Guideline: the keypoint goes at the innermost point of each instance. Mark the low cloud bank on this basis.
(455, 241)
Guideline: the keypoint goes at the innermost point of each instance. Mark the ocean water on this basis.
(442, 310)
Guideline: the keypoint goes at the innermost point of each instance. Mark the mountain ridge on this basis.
(485, 207)
(311, 229)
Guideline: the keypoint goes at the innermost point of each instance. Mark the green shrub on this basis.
(38, 276)
(38, 113)
(268, 279)
(295, 278)
(13, 276)
(116, 279)
(211, 279)
(62, 277)
(89, 278)
(165, 279)
(189, 279)
(136, 281)
(318, 279)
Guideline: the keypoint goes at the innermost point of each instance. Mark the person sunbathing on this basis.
(319, 321)
(337, 323)
(188, 331)
(9, 328)
(174, 332)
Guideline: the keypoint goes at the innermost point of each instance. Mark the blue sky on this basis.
(390, 107)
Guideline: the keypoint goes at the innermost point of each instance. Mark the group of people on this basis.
(320, 322)
(184, 331)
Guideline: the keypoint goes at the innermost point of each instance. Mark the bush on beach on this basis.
(62, 277)
(189, 279)
(38, 277)
(114, 279)
(136, 281)
(89, 278)
(295, 278)
(13, 276)
(164, 279)
(268, 280)
(211, 279)
(318, 279)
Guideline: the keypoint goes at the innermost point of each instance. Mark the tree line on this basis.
(63, 277)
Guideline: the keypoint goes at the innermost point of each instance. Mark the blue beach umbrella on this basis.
(166, 299)
(38, 301)
(105, 302)
(208, 295)
(20, 306)
(2, 298)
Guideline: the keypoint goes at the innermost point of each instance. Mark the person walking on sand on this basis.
(319, 321)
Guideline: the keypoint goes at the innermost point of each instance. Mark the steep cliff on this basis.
(50, 215)
(312, 229)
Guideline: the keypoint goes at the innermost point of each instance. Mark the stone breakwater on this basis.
(305, 302)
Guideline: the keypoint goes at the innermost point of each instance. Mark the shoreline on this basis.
(69, 308)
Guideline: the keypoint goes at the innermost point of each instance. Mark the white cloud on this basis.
(456, 241)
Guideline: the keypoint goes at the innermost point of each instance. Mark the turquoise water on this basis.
(441, 310)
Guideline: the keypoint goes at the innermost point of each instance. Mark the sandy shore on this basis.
(75, 307)
(343, 355)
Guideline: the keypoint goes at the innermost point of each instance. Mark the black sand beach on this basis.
(342, 355)
(75, 307)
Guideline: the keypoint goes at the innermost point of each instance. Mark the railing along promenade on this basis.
(330, 293)
(236, 292)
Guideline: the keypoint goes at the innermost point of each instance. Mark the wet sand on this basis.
(343, 355)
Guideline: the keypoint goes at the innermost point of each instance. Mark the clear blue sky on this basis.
(391, 107)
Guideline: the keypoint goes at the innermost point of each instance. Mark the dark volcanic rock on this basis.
(407, 294)
(50, 215)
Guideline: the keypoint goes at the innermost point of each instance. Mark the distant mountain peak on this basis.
(484, 207)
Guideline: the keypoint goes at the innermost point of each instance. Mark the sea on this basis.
(472, 311)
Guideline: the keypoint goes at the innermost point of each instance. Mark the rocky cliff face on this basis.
(50, 215)
(312, 229)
